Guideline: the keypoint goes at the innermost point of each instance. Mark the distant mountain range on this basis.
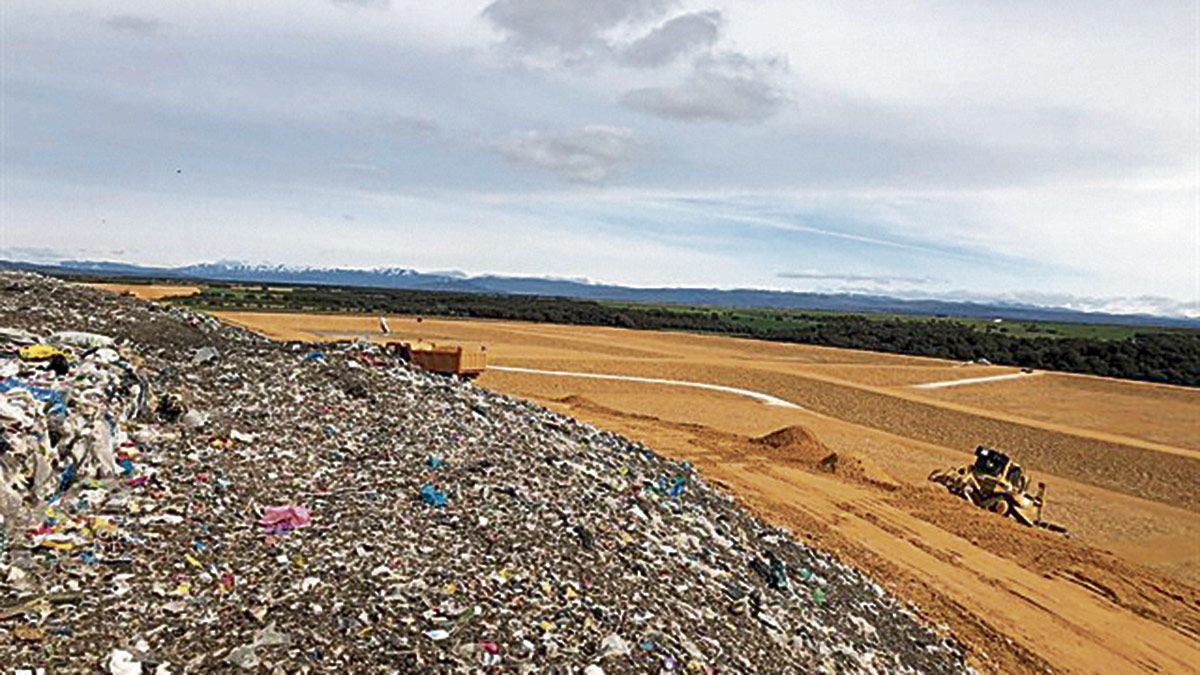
(400, 278)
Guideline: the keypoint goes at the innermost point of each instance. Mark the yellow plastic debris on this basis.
(39, 353)
(58, 545)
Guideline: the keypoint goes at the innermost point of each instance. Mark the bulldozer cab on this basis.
(1014, 477)
(995, 464)
(989, 462)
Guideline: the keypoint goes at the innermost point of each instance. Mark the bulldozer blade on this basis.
(1053, 527)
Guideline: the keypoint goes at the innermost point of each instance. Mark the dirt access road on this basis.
(1122, 461)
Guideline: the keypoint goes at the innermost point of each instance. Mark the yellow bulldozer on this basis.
(996, 483)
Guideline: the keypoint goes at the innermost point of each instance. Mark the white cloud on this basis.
(587, 155)
(572, 28)
(729, 86)
(730, 89)
(881, 279)
(677, 37)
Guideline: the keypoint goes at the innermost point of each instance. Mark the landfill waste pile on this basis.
(184, 496)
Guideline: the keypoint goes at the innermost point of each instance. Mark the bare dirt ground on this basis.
(1121, 460)
(1162, 414)
(150, 291)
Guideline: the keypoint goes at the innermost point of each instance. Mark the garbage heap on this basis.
(182, 496)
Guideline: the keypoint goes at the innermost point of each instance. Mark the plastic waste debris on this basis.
(567, 549)
(194, 419)
(284, 519)
(205, 356)
(771, 570)
(67, 478)
(614, 645)
(433, 496)
(82, 339)
(59, 365)
(819, 596)
(121, 662)
(246, 656)
(17, 336)
(677, 487)
(29, 633)
(170, 407)
(57, 404)
(39, 353)
(241, 437)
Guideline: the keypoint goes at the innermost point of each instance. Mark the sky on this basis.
(1041, 152)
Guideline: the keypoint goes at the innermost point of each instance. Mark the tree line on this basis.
(1154, 356)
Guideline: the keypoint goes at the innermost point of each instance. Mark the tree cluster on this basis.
(1166, 356)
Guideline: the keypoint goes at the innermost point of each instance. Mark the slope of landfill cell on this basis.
(1120, 594)
(183, 496)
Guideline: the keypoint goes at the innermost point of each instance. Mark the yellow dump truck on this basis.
(446, 359)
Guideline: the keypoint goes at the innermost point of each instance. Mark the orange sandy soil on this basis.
(150, 291)
(1121, 459)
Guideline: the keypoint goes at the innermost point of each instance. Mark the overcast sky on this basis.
(1041, 151)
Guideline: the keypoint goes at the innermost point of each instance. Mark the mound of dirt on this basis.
(795, 437)
(799, 445)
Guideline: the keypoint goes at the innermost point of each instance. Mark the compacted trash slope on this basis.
(189, 497)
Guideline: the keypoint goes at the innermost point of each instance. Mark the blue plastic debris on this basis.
(126, 467)
(675, 489)
(778, 574)
(68, 477)
(58, 405)
(436, 462)
(433, 496)
(314, 356)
